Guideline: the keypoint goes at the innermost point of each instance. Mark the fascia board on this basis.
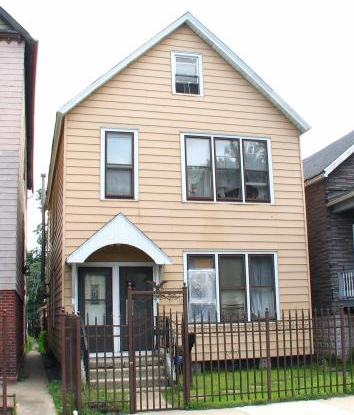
(339, 160)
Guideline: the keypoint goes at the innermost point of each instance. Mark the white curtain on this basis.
(262, 286)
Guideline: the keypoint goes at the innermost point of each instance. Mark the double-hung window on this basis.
(199, 168)
(229, 287)
(202, 286)
(227, 169)
(118, 165)
(187, 73)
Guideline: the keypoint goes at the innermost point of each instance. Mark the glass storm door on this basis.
(95, 307)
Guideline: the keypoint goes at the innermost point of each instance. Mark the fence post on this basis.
(132, 372)
(186, 357)
(63, 361)
(78, 364)
(269, 362)
(4, 366)
(342, 342)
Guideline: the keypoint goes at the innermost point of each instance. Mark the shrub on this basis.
(42, 343)
(29, 344)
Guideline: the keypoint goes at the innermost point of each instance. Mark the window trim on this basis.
(247, 254)
(226, 136)
(199, 56)
(135, 164)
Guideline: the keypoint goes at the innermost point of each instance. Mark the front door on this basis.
(95, 307)
(141, 279)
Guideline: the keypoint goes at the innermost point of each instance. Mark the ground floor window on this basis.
(227, 286)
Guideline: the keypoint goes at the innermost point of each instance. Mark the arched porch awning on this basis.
(119, 231)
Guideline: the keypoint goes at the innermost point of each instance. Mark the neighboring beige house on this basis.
(179, 164)
(18, 56)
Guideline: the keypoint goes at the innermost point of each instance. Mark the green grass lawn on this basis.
(226, 388)
(100, 402)
(216, 389)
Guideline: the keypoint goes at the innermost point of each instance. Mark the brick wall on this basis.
(11, 302)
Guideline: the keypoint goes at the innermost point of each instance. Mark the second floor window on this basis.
(227, 169)
(187, 73)
(119, 165)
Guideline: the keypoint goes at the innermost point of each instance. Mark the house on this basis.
(180, 164)
(18, 56)
(329, 187)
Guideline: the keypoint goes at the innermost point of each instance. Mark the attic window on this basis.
(187, 73)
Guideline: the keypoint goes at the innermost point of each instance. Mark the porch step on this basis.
(118, 361)
(123, 372)
(141, 383)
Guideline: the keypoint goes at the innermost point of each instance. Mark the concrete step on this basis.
(141, 382)
(118, 362)
(120, 372)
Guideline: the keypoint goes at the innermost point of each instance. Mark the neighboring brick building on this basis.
(18, 56)
(329, 188)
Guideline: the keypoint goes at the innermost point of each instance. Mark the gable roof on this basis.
(119, 231)
(212, 41)
(17, 32)
(329, 158)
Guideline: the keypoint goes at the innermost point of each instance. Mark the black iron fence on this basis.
(157, 359)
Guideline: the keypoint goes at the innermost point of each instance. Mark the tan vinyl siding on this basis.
(140, 98)
(12, 193)
(55, 260)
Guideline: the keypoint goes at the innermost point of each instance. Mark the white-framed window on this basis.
(187, 73)
(119, 164)
(231, 286)
(221, 168)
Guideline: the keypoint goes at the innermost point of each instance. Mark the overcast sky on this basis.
(302, 49)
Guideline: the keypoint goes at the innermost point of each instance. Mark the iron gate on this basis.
(149, 368)
(159, 357)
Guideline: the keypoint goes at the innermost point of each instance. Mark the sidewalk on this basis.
(32, 396)
(332, 406)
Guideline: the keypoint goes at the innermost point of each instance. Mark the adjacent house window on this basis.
(187, 73)
(118, 165)
(237, 170)
(242, 285)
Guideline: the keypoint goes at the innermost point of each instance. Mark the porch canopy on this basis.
(119, 231)
(342, 203)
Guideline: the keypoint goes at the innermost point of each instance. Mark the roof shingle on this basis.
(318, 162)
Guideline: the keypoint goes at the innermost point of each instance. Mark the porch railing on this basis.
(346, 284)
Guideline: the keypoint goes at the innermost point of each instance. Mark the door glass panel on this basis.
(95, 299)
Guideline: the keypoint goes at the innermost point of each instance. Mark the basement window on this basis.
(187, 73)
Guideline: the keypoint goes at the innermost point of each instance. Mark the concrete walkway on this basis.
(332, 406)
(32, 396)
